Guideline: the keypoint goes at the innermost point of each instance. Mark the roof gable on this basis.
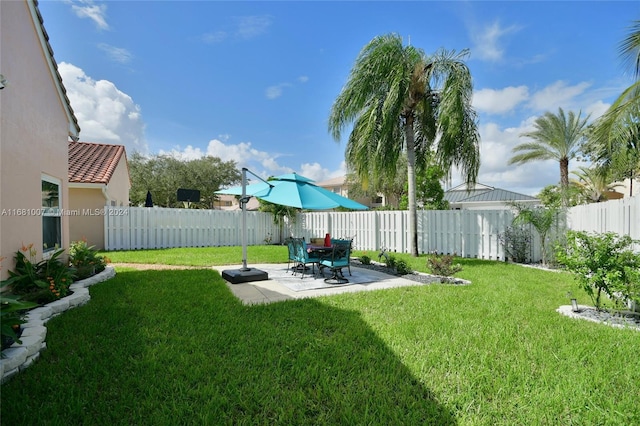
(484, 193)
(93, 162)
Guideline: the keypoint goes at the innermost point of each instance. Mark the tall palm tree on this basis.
(555, 137)
(616, 134)
(402, 102)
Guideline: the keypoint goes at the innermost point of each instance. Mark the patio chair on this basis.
(338, 259)
(304, 257)
(292, 253)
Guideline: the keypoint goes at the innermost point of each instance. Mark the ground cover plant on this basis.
(155, 346)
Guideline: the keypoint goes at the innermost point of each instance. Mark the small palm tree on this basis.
(555, 137)
(593, 183)
(402, 102)
(543, 219)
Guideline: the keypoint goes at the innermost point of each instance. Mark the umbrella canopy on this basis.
(296, 191)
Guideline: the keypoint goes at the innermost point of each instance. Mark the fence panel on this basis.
(468, 233)
(619, 216)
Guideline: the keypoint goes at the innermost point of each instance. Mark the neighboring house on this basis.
(98, 179)
(338, 185)
(626, 189)
(483, 197)
(231, 202)
(36, 121)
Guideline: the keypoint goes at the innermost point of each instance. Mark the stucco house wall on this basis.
(35, 124)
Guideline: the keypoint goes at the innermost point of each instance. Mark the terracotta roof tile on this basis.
(93, 162)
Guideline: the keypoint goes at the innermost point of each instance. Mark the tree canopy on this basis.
(403, 103)
(163, 175)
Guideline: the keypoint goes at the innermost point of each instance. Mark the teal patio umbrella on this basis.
(294, 190)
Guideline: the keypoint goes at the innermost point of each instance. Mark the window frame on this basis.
(51, 211)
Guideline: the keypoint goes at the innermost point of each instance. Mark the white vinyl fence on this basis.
(467, 233)
(619, 216)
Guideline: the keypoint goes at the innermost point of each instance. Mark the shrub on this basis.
(390, 261)
(40, 282)
(365, 260)
(402, 267)
(602, 263)
(11, 313)
(516, 241)
(85, 259)
(442, 265)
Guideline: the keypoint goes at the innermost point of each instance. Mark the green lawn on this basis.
(175, 347)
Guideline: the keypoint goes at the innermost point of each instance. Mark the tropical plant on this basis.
(41, 282)
(543, 219)
(281, 214)
(402, 102)
(85, 259)
(602, 263)
(593, 183)
(615, 139)
(555, 137)
(11, 315)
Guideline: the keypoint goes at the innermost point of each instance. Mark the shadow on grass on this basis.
(156, 346)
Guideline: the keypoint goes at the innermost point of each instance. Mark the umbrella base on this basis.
(238, 276)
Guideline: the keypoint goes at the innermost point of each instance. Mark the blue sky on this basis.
(254, 81)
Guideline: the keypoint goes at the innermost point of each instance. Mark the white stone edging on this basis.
(19, 356)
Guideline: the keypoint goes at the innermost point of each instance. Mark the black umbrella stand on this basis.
(244, 274)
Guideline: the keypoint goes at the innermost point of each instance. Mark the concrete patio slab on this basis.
(274, 289)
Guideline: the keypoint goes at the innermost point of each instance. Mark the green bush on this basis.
(602, 263)
(442, 265)
(365, 260)
(40, 282)
(516, 241)
(402, 267)
(390, 261)
(85, 259)
(12, 310)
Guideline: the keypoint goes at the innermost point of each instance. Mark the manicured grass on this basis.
(202, 256)
(167, 347)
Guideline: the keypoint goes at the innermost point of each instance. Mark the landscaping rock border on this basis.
(621, 319)
(21, 355)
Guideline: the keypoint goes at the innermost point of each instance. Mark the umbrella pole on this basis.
(243, 201)
(244, 274)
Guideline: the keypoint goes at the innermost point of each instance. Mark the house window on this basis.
(51, 215)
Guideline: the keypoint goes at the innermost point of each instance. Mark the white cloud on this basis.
(499, 101)
(303, 79)
(556, 95)
(315, 171)
(252, 26)
(262, 163)
(117, 54)
(487, 43)
(88, 9)
(105, 114)
(275, 91)
(214, 37)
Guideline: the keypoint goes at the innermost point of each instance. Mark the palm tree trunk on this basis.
(411, 179)
(564, 180)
